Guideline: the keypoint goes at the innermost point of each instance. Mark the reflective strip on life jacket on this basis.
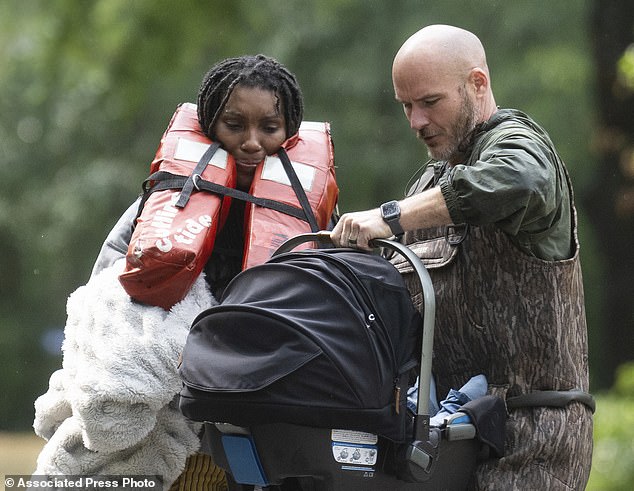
(192, 151)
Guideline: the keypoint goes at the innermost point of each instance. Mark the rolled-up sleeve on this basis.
(513, 184)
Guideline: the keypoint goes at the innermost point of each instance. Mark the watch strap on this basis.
(392, 218)
(395, 227)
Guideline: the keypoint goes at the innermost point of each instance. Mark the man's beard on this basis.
(459, 133)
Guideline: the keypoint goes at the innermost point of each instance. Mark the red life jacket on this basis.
(187, 198)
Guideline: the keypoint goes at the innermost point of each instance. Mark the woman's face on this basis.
(250, 127)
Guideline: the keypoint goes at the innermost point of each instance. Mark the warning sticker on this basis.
(348, 436)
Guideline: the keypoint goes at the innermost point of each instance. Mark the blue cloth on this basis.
(412, 398)
(476, 387)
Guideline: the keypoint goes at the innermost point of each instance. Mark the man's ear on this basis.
(479, 79)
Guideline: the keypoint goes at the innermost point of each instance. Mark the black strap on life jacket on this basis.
(190, 184)
(299, 189)
(162, 180)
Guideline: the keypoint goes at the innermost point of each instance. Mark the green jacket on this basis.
(513, 178)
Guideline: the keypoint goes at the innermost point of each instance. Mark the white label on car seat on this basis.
(348, 436)
(346, 453)
(354, 447)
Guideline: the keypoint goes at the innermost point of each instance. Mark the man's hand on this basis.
(422, 210)
(358, 228)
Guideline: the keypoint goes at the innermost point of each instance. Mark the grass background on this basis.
(18, 453)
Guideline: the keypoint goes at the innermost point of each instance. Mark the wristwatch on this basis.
(391, 212)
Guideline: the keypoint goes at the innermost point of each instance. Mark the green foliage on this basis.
(624, 385)
(88, 88)
(613, 458)
(626, 68)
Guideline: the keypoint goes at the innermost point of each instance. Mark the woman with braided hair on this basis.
(119, 418)
(251, 105)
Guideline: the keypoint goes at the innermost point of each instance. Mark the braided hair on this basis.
(257, 71)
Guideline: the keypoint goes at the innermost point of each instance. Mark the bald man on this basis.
(493, 218)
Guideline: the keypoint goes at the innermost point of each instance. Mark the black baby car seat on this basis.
(301, 373)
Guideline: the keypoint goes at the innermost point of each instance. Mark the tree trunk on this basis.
(610, 202)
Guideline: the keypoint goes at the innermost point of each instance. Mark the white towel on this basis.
(111, 408)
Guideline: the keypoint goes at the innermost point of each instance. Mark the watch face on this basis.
(390, 209)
